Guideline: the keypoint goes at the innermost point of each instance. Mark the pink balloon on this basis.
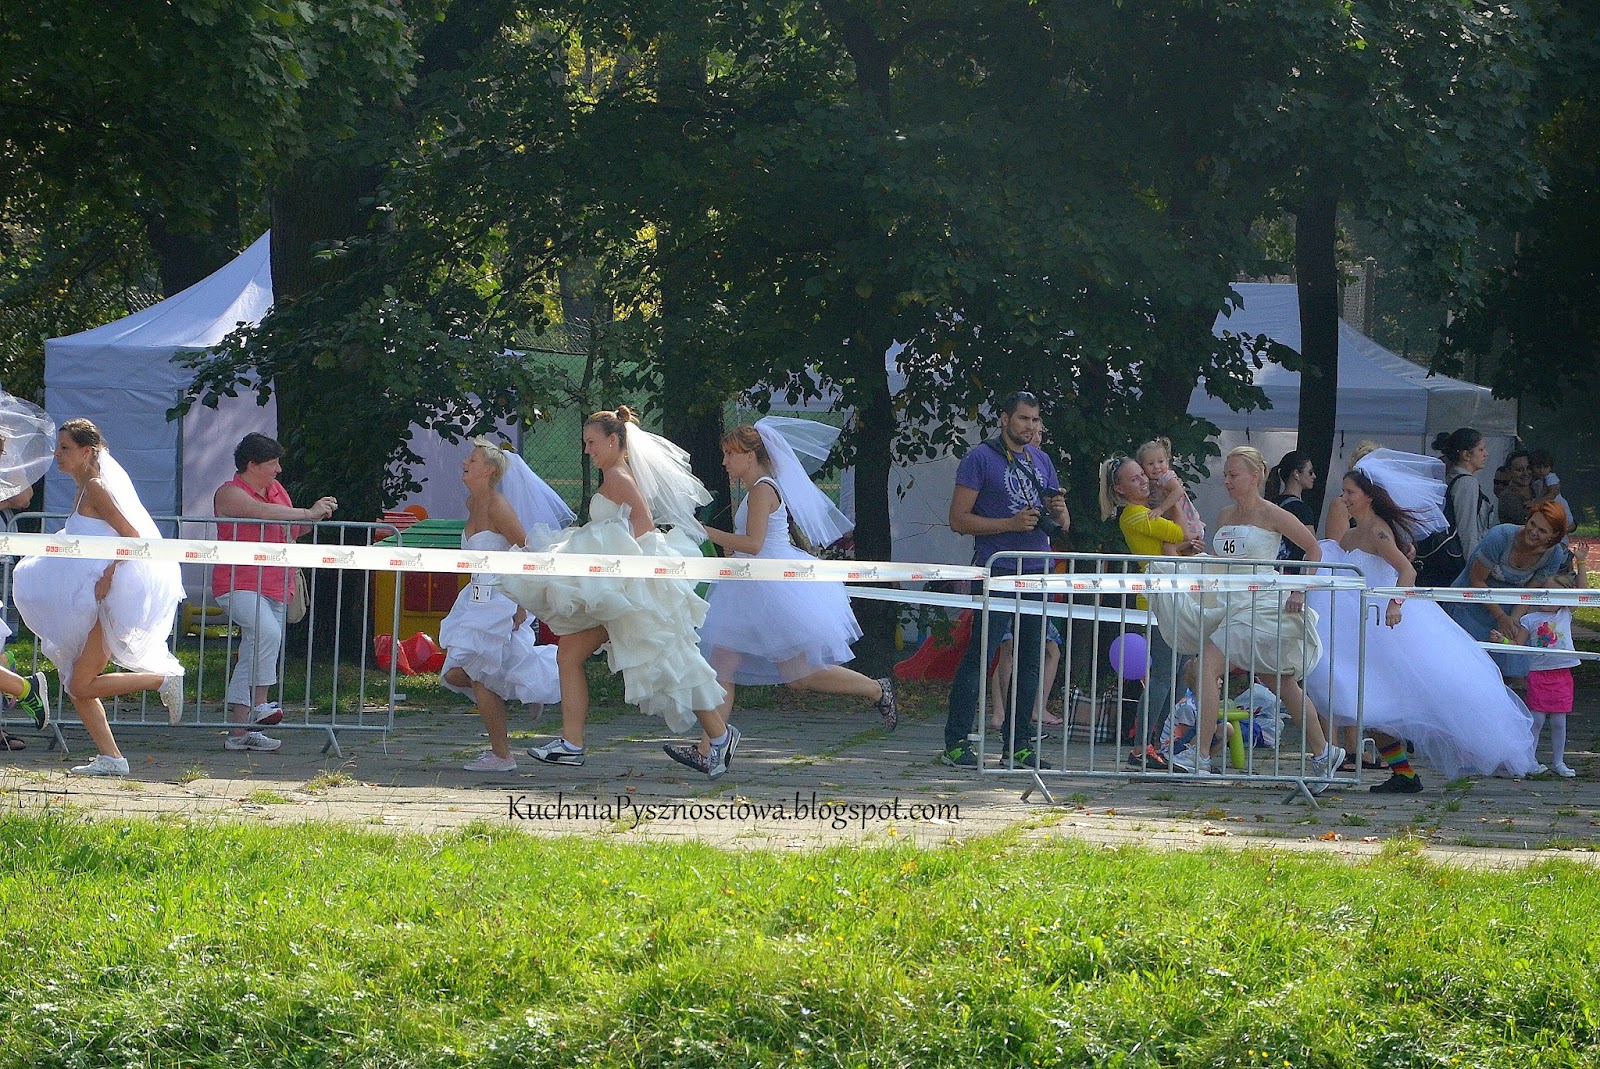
(1130, 655)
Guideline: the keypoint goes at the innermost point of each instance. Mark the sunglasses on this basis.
(1021, 397)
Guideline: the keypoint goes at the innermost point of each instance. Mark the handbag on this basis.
(298, 603)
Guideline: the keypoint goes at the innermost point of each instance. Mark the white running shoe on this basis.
(172, 697)
(253, 740)
(489, 761)
(103, 766)
(266, 714)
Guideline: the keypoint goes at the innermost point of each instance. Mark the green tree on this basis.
(1415, 117)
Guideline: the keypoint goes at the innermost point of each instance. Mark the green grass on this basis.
(155, 945)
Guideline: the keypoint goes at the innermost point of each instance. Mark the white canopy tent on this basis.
(124, 376)
(1382, 396)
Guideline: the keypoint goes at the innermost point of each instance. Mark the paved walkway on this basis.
(791, 758)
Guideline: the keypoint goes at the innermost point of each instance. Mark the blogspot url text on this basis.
(623, 809)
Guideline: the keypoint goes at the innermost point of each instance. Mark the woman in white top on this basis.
(1261, 632)
(89, 613)
(793, 633)
(491, 648)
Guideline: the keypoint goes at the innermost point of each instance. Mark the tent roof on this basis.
(1379, 391)
(194, 320)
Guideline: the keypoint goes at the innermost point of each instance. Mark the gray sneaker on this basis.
(1327, 765)
(719, 757)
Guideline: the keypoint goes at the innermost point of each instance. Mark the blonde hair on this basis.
(1566, 579)
(746, 439)
(1110, 500)
(494, 453)
(1363, 447)
(1163, 444)
(1251, 456)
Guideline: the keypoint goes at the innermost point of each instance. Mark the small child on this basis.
(1550, 674)
(1546, 483)
(1155, 457)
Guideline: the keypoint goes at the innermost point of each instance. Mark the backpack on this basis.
(1439, 556)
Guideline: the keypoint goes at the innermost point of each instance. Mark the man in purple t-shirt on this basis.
(1002, 489)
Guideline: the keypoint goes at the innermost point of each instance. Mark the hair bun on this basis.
(1441, 440)
(625, 414)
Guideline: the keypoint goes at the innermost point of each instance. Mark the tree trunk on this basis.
(691, 410)
(1317, 271)
(875, 430)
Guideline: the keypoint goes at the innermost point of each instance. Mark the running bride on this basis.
(1424, 678)
(795, 633)
(647, 627)
(89, 613)
(491, 648)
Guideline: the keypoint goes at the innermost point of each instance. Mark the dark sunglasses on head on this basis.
(1021, 397)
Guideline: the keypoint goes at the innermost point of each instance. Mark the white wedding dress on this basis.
(1426, 680)
(480, 639)
(651, 623)
(55, 596)
(1252, 627)
(777, 632)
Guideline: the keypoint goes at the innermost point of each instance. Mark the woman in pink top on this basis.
(257, 598)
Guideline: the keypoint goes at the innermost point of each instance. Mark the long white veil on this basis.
(1415, 482)
(531, 498)
(27, 444)
(818, 518)
(669, 487)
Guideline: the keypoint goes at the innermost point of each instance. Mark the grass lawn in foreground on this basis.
(167, 944)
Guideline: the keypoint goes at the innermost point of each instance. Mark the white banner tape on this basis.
(1133, 583)
(403, 559)
(1499, 596)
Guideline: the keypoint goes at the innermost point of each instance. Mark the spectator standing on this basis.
(1004, 488)
(256, 597)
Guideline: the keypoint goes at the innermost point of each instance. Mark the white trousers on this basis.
(261, 623)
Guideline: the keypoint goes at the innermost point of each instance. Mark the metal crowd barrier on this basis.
(1231, 603)
(327, 694)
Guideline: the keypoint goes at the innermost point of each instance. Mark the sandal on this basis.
(11, 742)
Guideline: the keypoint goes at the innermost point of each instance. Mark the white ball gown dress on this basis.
(55, 596)
(480, 639)
(777, 632)
(1426, 680)
(1253, 629)
(651, 623)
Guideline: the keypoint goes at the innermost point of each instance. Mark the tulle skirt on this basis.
(650, 623)
(480, 639)
(1252, 628)
(1426, 680)
(761, 634)
(55, 596)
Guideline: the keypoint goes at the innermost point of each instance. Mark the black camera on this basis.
(1047, 523)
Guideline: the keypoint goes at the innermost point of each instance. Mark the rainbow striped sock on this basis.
(1394, 756)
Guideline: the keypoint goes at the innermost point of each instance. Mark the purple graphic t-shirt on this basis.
(1004, 490)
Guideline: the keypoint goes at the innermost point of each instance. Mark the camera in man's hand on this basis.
(1047, 523)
